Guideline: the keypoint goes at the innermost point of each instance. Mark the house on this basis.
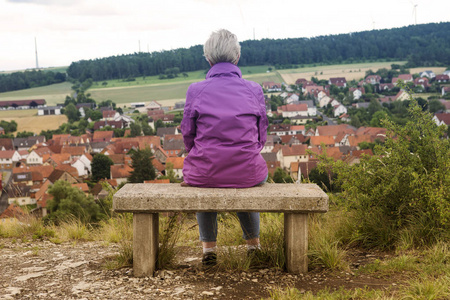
(312, 109)
(58, 159)
(422, 81)
(293, 153)
(153, 105)
(173, 146)
(445, 90)
(338, 81)
(429, 74)
(292, 110)
(8, 158)
(110, 115)
(166, 119)
(339, 110)
(301, 170)
(25, 178)
(120, 173)
(102, 136)
(373, 79)
(61, 175)
(27, 143)
(356, 92)
(45, 171)
(38, 156)
(292, 99)
(385, 87)
(297, 129)
(83, 165)
(301, 81)
(279, 129)
(446, 104)
(22, 104)
(270, 143)
(49, 110)
(19, 194)
(335, 130)
(271, 86)
(162, 131)
(99, 191)
(317, 141)
(402, 96)
(404, 77)
(104, 123)
(177, 163)
(98, 147)
(82, 187)
(324, 101)
(6, 144)
(13, 211)
(442, 78)
(73, 151)
(313, 90)
(442, 119)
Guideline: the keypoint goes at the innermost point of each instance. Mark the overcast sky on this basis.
(71, 30)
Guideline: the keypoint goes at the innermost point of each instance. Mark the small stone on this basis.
(206, 293)
(255, 280)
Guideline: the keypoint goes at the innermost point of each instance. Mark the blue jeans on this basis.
(207, 224)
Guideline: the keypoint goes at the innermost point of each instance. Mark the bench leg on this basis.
(145, 243)
(296, 242)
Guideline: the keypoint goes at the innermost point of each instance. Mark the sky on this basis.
(73, 30)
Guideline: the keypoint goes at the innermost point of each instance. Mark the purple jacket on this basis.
(224, 129)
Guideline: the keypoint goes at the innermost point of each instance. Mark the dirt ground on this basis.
(76, 270)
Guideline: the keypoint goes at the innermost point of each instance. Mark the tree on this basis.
(377, 118)
(281, 176)
(142, 166)
(404, 189)
(135, 129)
(101, 167)
(70, 202)
(435, 106)
(72, 113)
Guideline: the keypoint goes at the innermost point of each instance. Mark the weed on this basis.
(427, 288)
(170, 228)
(73, 229)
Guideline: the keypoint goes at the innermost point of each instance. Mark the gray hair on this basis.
(222, 46)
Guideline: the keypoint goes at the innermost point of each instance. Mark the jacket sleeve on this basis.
(188, 126)
(263, 122)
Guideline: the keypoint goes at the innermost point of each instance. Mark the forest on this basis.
(29, 79)
(420, 45)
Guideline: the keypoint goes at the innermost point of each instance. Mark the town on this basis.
(311, 117)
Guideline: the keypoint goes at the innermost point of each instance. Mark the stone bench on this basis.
(145, 201)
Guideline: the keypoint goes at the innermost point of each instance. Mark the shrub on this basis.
(404, 190)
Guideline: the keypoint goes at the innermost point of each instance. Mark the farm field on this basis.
(28, 120)
(349, 71)
(53, 94)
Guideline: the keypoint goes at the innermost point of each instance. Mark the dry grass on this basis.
(350, 72)
(28, 120)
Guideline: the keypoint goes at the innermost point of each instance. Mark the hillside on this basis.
(422, 45)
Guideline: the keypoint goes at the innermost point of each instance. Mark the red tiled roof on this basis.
(13, 211)
(109, 114)
(295, 107)
(443, 117)
(294, 150)
(81, 186)
(334, 130)
(7, 154)
(69, 169)
(103, 136)
(21, 102)
(44, 170)
(328, 140)
(176, 161)
(120, 171)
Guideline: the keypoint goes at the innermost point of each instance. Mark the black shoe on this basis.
(209, 259)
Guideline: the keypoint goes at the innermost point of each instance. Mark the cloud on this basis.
(46, 2)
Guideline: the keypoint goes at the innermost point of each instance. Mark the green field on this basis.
(172, 90)
(55, 93)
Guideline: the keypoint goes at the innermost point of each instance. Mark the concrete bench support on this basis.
(146, 201)
(145, 243)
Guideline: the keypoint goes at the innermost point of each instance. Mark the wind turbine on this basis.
(414, 12)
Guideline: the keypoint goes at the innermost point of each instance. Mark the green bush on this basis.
(404, 189)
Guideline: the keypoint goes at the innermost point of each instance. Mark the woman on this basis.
(224, 129)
